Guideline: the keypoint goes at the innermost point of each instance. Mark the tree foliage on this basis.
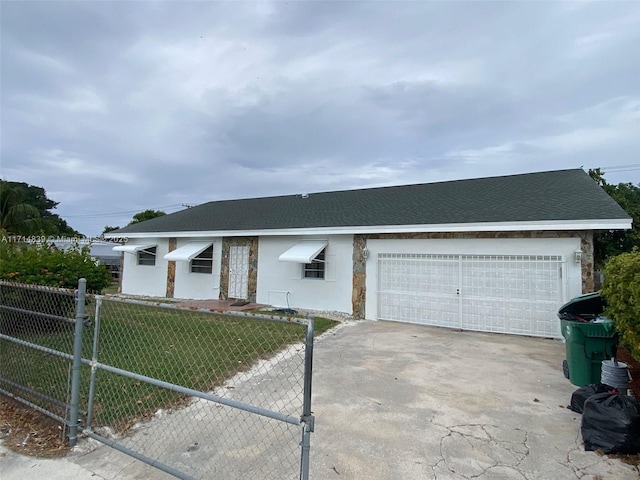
(609, 243)
(621, 290)
(146, 215)
(41, 264)
(16, 215)
(26, 210)
(109, 228)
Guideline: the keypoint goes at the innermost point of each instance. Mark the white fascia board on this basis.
(548, 225)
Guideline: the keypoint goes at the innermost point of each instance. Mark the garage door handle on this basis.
(457, 291)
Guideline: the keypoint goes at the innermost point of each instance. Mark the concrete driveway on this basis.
(396, 401)
(402, 401)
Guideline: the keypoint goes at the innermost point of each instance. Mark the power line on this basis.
(622, 168)
(634, 165)
(116, 214)
(610, 170)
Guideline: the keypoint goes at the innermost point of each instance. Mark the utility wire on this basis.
(116, 214)
(622, 168)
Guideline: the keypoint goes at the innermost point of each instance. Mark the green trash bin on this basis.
(588, 344)
(591, 338)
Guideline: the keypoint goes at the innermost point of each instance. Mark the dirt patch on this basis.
(628, 459)
(29, 432)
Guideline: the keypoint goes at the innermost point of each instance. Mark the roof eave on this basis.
(547, 225)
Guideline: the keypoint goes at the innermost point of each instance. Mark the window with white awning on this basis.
(303, 252)
(146, 253)
(187, 252)
(134, 248)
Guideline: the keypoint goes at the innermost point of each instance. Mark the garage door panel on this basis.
(546, 325)
(516, 294)
(483, 315)
(418, 289)
(427, 310)
(415, 273)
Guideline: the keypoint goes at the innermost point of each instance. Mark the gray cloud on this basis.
(123, 106)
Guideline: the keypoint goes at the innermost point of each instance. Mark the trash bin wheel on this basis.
(565, 369)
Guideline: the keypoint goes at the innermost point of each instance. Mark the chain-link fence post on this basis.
(94, 360)
(77, 363)
(307, 417)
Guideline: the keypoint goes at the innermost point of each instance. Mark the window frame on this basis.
(147, 258)
(202, 264)
(316, 270)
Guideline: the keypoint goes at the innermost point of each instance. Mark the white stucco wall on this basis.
(198, 286)
(565, 247)
(145, 280)
(276, 279)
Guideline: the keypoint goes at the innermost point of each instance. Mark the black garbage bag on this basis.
(583, 393)
(611, 423)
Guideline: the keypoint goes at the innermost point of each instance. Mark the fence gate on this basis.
(194, 393)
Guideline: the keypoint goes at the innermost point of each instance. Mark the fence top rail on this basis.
(209, 311)
(38, 314)
(40, 288)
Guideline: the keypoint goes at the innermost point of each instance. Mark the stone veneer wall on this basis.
(171, 270)
(360, 242)
(227, 243)
(121, 273)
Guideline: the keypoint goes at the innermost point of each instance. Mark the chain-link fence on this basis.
(37, 331)
(195, 393)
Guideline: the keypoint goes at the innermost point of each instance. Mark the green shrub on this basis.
(621, 290)
(41, 265)
(38, 264)
(26, 303)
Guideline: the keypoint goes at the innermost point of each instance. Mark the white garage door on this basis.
(517, 294)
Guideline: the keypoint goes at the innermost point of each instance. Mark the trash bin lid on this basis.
(588, 304)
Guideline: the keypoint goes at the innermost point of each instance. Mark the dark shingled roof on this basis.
(557, 195)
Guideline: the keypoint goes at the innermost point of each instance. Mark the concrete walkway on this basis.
(402, 401)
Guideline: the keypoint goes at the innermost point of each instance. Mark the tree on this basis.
(609, 243)
(109, 228)
(16, 215)
(146, 215)
(25, 210)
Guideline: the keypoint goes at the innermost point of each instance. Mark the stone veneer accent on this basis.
(227, 243)
(360, 242)
(171, 270)
(121, 273)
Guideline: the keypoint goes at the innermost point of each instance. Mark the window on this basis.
(315, 269)
(147, 256)
(203, 263)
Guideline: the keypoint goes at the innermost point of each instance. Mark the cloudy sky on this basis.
(116, 107)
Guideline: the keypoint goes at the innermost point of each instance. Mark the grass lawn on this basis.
(111, 289)
(192, 349)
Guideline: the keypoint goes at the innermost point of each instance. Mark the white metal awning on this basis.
(303, 252)
(133, 248)
(187, 252)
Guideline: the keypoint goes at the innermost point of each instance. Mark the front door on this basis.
(239, 272)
